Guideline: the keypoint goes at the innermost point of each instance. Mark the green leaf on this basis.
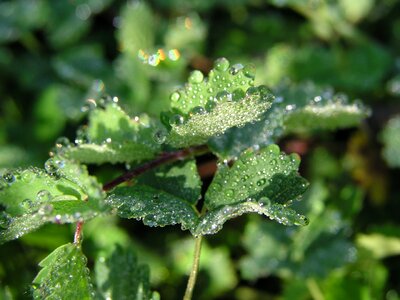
(379, 245)
(154, 206)
(64, 275)
(180, 179)
(55, 211)
(300, 108)
(390, 137)
(22, 188)
(208, 107)
(112, 136)
(265, 182)
(309, 252)
(64, 193)
(122, 277)
(137, 30)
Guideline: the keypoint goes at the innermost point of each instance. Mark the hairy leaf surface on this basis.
(64, 193)
(180, 179)
(296, 109)
(112, 136)
(265, 182)
(64, 275)
(154, 206)
(208, 107)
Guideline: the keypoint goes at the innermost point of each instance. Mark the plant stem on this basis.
(195, 269)
(314, 289)
(78, 233)
(162, 159)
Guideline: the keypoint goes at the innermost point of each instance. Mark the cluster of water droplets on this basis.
(265, 182)
(6, 179)
(224, 82)
(255, 173)
(92, 103)
(154, 208)
(154, 59)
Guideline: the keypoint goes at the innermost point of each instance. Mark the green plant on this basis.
(224, 114)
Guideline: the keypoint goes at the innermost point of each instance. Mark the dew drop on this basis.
(174, 54)
(223, 96)
(175, 96)
(235, 69)
(160, 136)
(90, 104)
(221, 64)
(176, 120)
(196, 77)
(252, 91)
(229, 193)
(9, 177)
(302, 220)
(261, 182)
(238, 95)
(249, 71)
(198, 110)
(5, 219)
(43, 196)
(264, 201)
(273, 150)
(211, 104)
(154, 60)
(63, 142)
(52, 166)
(26, 204)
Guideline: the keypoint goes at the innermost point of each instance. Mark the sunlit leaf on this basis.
(301, 108)
(112, 136)
(265, 182)
(206, 107)
(64, 193)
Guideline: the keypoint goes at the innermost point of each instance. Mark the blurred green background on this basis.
(55, 55)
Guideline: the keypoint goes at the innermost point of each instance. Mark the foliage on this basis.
(224, 146)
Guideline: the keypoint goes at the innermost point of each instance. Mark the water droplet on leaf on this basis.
(160, 136)
(176, 120)
(235, 69)
(221, 64)
(196, 77)
(52, 166)
(175, 96)
(249, 71)
(43, 196)
(9, 177)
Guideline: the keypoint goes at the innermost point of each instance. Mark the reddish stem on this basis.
(78, 232)
(162, 159)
